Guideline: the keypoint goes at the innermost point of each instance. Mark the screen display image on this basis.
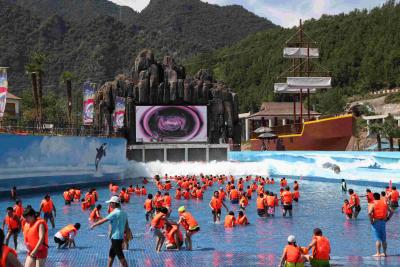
(171, 124)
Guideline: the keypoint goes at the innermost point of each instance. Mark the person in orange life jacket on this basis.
(118, 220)
(216, 204)
(90, 199)
(369, 195)
(186, 194)
(379, 213)
(78, 194)
(143, 191)
(178, 193)
(149, 207)
(296, 186)
(95, 214)
(8, 256)
(234, 195)
(85, 204)
(124, 196)
(167, 202)
(394, 198)
(130, 190)
(261, 205)
(174, 237)
(157, 225)
(13, 226)
(18, 208)
(384, 197)
(354, 203)
(321, 250)
(292, 254)
(296, 195)
(242, 219)
(47, 206)
(158, 200)
(230, 220)
(346, 209)
(249, 192)
(67, 197)
(36, 239)
(271, 204)
(137, 190)
(243, 202)
(66, 236)
(190, 224)
(287, 199)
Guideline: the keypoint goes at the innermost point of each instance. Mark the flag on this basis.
(88, 103)
(3, 90)
(119, 113)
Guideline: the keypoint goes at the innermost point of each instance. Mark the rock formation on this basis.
(166, 83)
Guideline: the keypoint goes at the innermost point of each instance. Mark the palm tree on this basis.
(67, 78)
(35, 69)
(359, 128)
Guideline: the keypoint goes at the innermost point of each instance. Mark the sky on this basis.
(282, 12)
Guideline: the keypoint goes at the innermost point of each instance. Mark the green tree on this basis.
(390, 130)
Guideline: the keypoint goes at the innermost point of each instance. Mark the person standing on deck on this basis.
(119, 226)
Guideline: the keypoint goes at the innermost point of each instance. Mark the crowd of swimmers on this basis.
(176, 235)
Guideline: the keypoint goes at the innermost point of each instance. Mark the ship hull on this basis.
(331, 134)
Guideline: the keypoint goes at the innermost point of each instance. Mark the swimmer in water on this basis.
(242, 219)
(230, 220)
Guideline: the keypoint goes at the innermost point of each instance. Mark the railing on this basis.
(288, 129)
(54, 129)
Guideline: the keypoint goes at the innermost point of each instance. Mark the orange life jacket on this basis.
(67, 196)
(234, 194)
(158, 221)
(77, 194)
(130, 190)
(167, 186)
(221, 195)
(4, 254)
(148, 205)
(143, 191)
(216, 203)
(178, 194)
(242, 220)
(380, 210)
(271, 201)
(296, 194)
(322, 248)
(354, 200)
(260, 203)
(47, 206)
(394, 196)
(229, 221)
(346, 209)
(167, 201)
(170, 235)
(287, 197)
(189, 223)
(293, 254)
(12, 222)
(94, 215)
(244, 201)
(18, 210)
(32, 236)
(67, 230)
(114, 188)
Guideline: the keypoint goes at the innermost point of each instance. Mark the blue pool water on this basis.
(259, 244)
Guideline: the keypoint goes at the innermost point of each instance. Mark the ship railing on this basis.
(288, 129)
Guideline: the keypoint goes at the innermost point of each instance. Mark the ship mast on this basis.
(301, 49)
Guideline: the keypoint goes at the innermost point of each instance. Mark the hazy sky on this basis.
(282, 12)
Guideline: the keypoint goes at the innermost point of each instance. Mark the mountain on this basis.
(92, 39)
(81, 11)
(359, 48)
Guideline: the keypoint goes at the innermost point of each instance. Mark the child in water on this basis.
(347, 210)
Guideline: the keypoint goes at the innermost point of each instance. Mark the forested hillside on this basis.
(360, 48)
(93, 40)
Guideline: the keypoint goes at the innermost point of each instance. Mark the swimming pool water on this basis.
(259, 244)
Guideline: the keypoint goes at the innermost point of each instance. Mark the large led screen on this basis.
(170, 124)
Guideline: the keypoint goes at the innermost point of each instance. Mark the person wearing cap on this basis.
(190, 224)
(292, 254)
(119, 226)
